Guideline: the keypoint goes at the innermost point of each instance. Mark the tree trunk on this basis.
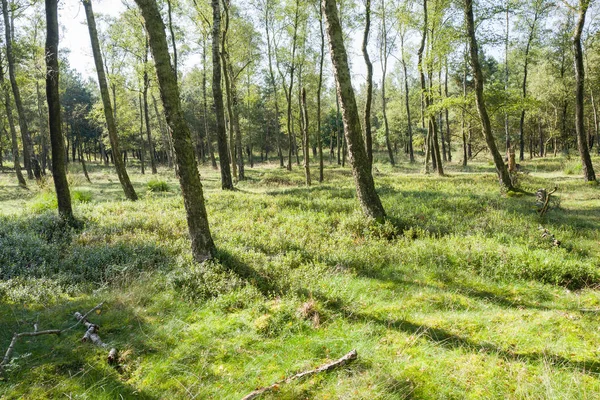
(363, 179)
(411, 152)
(586, 161)
(108, 112)
(305, 141)
(384, 60)
(420, 67)
(226, 182)
(147, 111)
(13, 130)
(163, 132)
(12, 74)
(207, 134)
(319, 88)
(501, 169)
(368, 101)
(203, 247)
(59, 173)
(142, 143)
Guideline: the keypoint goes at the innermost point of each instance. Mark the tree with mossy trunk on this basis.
(226, 181)
(586, 161)
(203, 247)
(501, 169)
(57, 143)
(108, 111)
(361, 171)
(12, 74)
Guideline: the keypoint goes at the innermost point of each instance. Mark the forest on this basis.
(299, 199)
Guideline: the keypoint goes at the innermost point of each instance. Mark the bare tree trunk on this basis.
(163, 132)
(368, 101)
(485, 120)
(447, 114)
(13, 130)
(12, 74)
(586, 161)
(226, 182)
(146, 110)
(203, 247)
(274, 85)
(424, 85)
(319, 88)
(142, 143)
(407, 100)
(305, 141)
(363, 179)
(207, 134)
(59, 173)
(384, 61)
(108, 112)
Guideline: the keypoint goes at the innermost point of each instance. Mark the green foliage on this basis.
(156, 186)
(457, 289)
(82, 196)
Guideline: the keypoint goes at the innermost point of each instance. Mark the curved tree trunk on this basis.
(203, 247)
(59, 172)
(108, 112)
(226, 182)
(586, 161)
(363, 179)
(368, 100)
(485, 119)
(12, 74)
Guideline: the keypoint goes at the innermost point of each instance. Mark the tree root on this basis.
(351, 356)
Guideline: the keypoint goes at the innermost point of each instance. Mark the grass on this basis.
(457, 295)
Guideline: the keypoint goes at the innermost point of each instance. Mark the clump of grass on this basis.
(573, 168)
(204, 281)
(81, 196)
(44, 201)
(158, 186)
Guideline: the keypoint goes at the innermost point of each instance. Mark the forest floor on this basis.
(457, 296)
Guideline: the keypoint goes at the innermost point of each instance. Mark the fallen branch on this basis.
(17, 336)
(323, 368)
(544, 198)
(91, 335)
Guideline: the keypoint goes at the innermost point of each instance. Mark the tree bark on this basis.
(147, 111)
(203, 247)
(501, 169)
(384, 61)
(13, 130)
(59, 172)
(363, 179)
(586, 161)
(319, 88)
(411, 152)
(207, 134)
(226, 182)
(368, 100)
(108, 112)
(305, 140)
(12, 74)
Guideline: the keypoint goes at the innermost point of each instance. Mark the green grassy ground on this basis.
(457, 295)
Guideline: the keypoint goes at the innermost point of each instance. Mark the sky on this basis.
(75, 37)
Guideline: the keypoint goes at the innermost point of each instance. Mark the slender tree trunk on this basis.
(273, 85)
(447, 114)
(305, 141)
(424, 85)
(12, 74)
(203, 247)
(81, 157)
(586, 161)
(485, 120)
(226, 182)
(411, 152)
(363, 179)
(384, 62)
(108, 112)
(173, 39)
(59, 173)
(13, 130)
(506, 37)
(228, 77)
(142, 143)
(319, 88)
(464, 132)
(368, 101)
(147, 111)
(207, 134)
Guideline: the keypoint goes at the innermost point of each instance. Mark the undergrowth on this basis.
(455, 295)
